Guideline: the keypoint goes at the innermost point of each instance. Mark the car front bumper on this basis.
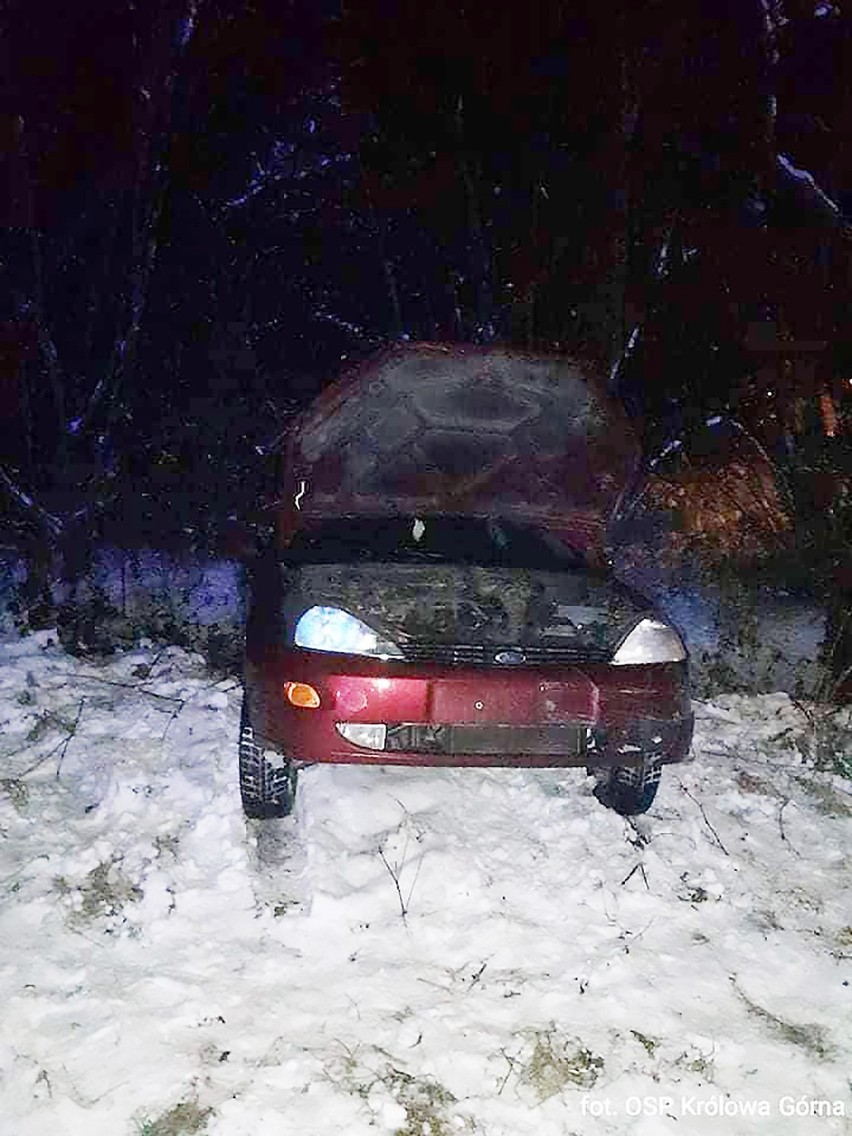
(399, 713)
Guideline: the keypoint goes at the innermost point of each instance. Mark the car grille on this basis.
(565, 739)
(486, 655)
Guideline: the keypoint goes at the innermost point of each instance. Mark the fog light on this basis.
(364, 734)
(301, 694)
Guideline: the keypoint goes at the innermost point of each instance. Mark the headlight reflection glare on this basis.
(333, 629)
(650, 641)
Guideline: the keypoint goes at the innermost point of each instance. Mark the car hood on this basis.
(432, 428)
(579, 615)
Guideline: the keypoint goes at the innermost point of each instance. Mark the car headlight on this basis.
(650, 641)
(333, 629)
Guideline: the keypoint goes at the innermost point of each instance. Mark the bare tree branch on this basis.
(51, 524)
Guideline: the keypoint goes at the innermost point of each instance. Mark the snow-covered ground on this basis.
(416, 952)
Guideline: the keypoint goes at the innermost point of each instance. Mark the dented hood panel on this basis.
(452, 604)
(434, 428)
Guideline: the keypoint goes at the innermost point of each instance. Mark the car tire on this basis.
(629, 789)
(267, 779)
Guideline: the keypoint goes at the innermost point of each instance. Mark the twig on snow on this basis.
(639, 839)
(478, 975)
(638, 867)
(511, 1063)
(175, 711)
(715, 834)
(124, 685)
(784, 836)
(40, 760)
(61, 744)
(393, 872)
(67, 741)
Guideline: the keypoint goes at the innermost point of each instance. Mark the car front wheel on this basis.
(267, 778)
(629, 789)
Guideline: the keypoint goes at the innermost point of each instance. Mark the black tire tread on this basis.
(267, 790)
(629, 790)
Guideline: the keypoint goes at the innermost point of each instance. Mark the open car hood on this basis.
(430, 428)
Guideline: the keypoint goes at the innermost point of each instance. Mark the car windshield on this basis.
(440, 539)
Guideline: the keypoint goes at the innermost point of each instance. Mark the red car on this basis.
(438, 591)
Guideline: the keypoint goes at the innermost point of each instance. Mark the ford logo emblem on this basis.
(510, 658)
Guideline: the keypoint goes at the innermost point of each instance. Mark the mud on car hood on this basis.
(429, 611)
(487, 431)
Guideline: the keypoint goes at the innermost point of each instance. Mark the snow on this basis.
(416, 951)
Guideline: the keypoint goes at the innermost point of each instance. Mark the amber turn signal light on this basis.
(301, 694)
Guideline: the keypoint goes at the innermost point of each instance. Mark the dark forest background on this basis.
(210, 209)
